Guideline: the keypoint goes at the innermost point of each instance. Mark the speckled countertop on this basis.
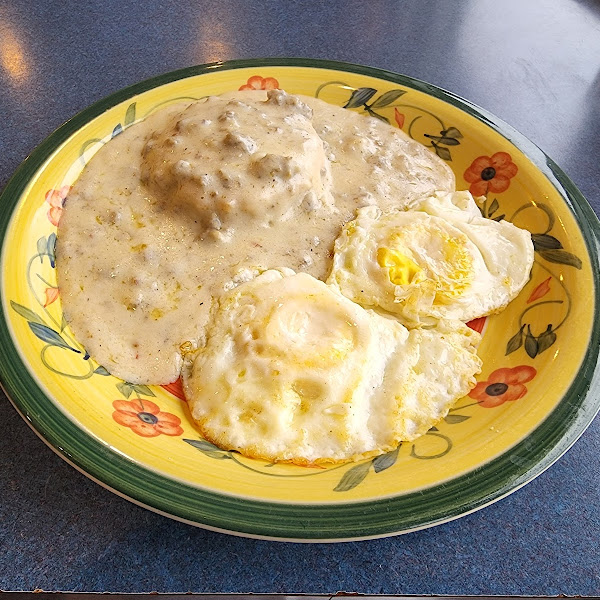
(534, 65)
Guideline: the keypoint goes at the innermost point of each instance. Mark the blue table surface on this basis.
(535, 65)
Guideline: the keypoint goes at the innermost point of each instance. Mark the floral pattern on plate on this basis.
(469, 459)
(486, 174)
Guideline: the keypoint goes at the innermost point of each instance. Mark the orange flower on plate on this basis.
(490, 174)
(145, 418)
(540, 291)
(51, 294)
(175, 388)
(56, 200)
(256, 82)
(399, 118)
(503, 385)
(477, 324)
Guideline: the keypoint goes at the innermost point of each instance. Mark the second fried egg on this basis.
(439, 260)
(294, 371)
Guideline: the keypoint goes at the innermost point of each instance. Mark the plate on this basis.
(537, 393)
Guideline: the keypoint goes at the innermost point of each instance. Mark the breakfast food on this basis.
(294, 371)
(436, 261)
(198, 242)
(232, 162)
(175, 208)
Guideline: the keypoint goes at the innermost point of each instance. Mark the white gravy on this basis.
(194, 199)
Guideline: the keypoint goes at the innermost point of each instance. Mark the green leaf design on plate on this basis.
(543, 241)
(494, 206)
(442, 152)
(377, 116)
(546, 339)
(220, 455)
(452, 132)
(125, 388)
(88, 144)
(48, 335)
(499, 217)
(531, 343)
(202, 445)
(130, 114)
(51, 249)
(101, 371)
(562, 257)
(454, 419)
(385, 461)
(515, 342)
(26, 313)
(117, 130)
(42, 245)
(387, 98)
(353, 477)
(360, 97)
(209, 449)
(144, 390)
(441, 139)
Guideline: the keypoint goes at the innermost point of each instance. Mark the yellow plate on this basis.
(540, 355)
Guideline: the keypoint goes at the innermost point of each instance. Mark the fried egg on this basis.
(291, 370)
(441, 259)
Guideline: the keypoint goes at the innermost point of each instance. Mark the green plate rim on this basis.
(308, 522)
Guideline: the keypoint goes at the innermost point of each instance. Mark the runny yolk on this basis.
(402, 270)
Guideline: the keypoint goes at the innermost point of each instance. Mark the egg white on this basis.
(293, 371)
(441, 259)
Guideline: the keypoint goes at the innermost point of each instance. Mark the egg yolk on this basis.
(401, 269)
(447, 270)
(310, 331)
